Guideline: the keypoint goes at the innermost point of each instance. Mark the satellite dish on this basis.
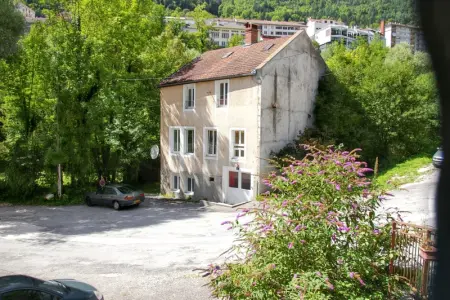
(154, 151)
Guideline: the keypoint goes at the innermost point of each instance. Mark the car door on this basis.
(28, 294)
(109, 195)
(97, 197)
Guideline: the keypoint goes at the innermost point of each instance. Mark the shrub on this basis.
(316, 235)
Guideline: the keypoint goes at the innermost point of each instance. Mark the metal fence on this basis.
(416, 259)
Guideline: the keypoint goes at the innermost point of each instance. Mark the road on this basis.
(416, 200)
(137, 253)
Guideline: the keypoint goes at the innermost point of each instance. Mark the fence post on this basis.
(428, 254)
(391, 262)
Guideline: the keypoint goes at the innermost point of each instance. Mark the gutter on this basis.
(253, 72)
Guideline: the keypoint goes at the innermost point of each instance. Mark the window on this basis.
(189, 96)
(175, 140)
(265, 32)
(234, 32)
(189, 140)
(278, 33)
(223, 44)
(190, 185)
(175, 182)
(215, 34)
(110, 191)
(225, 35)
(211, 142)
(238, 138)
(278, 27)
(233, 179)
(222, 90)
(246, 181)
(27, 295)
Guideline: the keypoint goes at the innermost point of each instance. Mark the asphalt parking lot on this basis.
(147, 252)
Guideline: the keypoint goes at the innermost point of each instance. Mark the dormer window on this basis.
(222, 93)
(189, 97)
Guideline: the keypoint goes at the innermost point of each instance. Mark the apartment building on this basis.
(227, 110)
(395, 33)
(343, 33)
(313, 26)
(224, 29)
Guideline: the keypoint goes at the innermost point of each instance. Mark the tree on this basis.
(386, 99)
(12, 25)
(235, 40)
(83, 93)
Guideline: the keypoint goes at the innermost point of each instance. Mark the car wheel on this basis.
(116, 205)
(88, 201)
(137, 205)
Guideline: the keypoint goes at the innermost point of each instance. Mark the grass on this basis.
(41, 201)
(402, 173)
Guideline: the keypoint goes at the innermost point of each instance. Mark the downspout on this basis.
(258, 80)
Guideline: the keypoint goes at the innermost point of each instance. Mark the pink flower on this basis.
(290, 245)
(351, 274)
(229, 228)
(319, 274)
(299, 227)
(295, 275)
(361, 282)
(349, 187)
(225, 222)
(284, 204)
(337, 186)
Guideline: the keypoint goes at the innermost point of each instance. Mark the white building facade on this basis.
(343, 33)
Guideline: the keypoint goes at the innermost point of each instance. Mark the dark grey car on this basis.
(21, 287)
(115, 195)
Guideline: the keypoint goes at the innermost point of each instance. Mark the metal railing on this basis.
(416, 259)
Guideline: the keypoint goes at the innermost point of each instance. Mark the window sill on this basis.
(211, 157)
(188, 154)
(189, 109)
(175, 191)
(189, 193)
(175, 153)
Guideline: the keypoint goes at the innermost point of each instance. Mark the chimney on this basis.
(382, 30)
(251, 34)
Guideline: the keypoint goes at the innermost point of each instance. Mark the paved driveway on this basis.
(137, 253)
(416, 201)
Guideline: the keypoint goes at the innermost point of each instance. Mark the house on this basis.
(226, 111)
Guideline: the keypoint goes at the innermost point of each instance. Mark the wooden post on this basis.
(427, 254)
(391, 262)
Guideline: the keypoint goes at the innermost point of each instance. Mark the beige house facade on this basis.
(223, 114)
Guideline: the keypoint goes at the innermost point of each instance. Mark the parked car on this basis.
(438, 158)
(115, 195)
(21, 287)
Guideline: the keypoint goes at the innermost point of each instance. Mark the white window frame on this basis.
(217, 93)
(175, 178)
(171, 142)
(206, 141)
(186, 89)
(190, 192)
(185, 142)
(238, 158)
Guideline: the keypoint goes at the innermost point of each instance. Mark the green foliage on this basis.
(12, 25)
(382, 100)
(361, 12)
(236, 40)
(316, 235)
(403, 172)
(83, 92)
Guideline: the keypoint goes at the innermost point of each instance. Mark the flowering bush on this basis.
(315, 235)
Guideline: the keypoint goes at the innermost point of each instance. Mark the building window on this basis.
(190, 185)
(211, 142)
(189, 97)
(234, 32)
(278, 33)
(215, 34)
(175, 182)
(222, 91)
(265, 32)
(175, 140)
(238, 142)
(278, 27)
(189, 140)
(225, 35)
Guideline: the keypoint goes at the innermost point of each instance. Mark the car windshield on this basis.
(125, 189)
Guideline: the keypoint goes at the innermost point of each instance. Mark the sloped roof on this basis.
(214, 64)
